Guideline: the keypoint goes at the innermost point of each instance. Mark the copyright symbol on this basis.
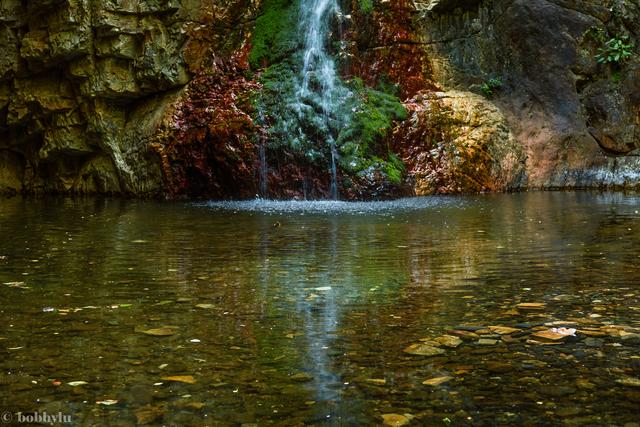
(6, 417)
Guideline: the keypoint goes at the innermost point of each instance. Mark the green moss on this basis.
(274, 35)
(366, 6)
(359, 123)
(360, 143)
(394, 168)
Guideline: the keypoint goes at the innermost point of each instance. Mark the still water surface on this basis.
(276, 313)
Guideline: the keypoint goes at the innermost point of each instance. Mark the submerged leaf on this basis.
(107, 402)
(187, 379)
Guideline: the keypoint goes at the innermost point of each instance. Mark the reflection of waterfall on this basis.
(319, 89)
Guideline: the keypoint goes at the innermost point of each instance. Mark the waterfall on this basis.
(263, 179)
(320, 91)
(263, 170)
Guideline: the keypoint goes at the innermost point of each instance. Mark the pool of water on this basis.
(298, 313)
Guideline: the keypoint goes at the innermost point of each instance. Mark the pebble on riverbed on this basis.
(587, 331)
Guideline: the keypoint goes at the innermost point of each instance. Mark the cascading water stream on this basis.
(319, 86)
(262, 158)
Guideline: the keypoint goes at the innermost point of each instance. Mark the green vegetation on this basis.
(274, 36)
(374, 113)
(358, 124)
(366, 6)
(489, 88)
(615, 51)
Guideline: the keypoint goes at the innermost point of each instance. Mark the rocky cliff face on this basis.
(156, 98)
(577, 120)
(85, 85)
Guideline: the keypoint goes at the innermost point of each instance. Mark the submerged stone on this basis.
(531, 306)
(396, 420)
(549, 335)
(629, 382)
(465, 335)
(503, 330)
(164, 331)
(449, 341)
(421, 349)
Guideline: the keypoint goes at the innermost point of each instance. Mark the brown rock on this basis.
(531, 306)
(548, 336)
(465, 335)
(149, 414)
(503, 330)
(449, 341)
(395, 420)
(421, 349)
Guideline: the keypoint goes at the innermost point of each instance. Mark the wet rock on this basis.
(465, 335)
(549, 336)
(396, 420)
(449, 341)
(585, 384)
(485, 341)
(528, 325)
(503, 330)
(498, 367)
(592, 333)
(568, 412)
(164, 331)
(301, 377)
(629, 382)
(487, 157)
(510, 339)
(556, 390)
(574, 131)
(593, 342)
(531, 306)
(631, 339)
(528, 380)
(468, 328)
(94, 85)
(149, 414)
(421, 349)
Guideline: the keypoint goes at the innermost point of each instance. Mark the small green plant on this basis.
(489, 88)
(615, 51)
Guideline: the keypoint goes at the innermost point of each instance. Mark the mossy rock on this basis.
(275, 33)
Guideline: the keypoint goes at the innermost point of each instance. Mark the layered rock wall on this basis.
(84, 85)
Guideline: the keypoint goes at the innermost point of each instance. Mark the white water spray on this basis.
(319, 86)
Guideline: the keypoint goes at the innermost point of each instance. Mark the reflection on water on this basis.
(300, 311)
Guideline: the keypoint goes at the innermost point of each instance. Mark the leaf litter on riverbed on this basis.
(187, 379)
(17, 285)
(107, 402)
(434, 382)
